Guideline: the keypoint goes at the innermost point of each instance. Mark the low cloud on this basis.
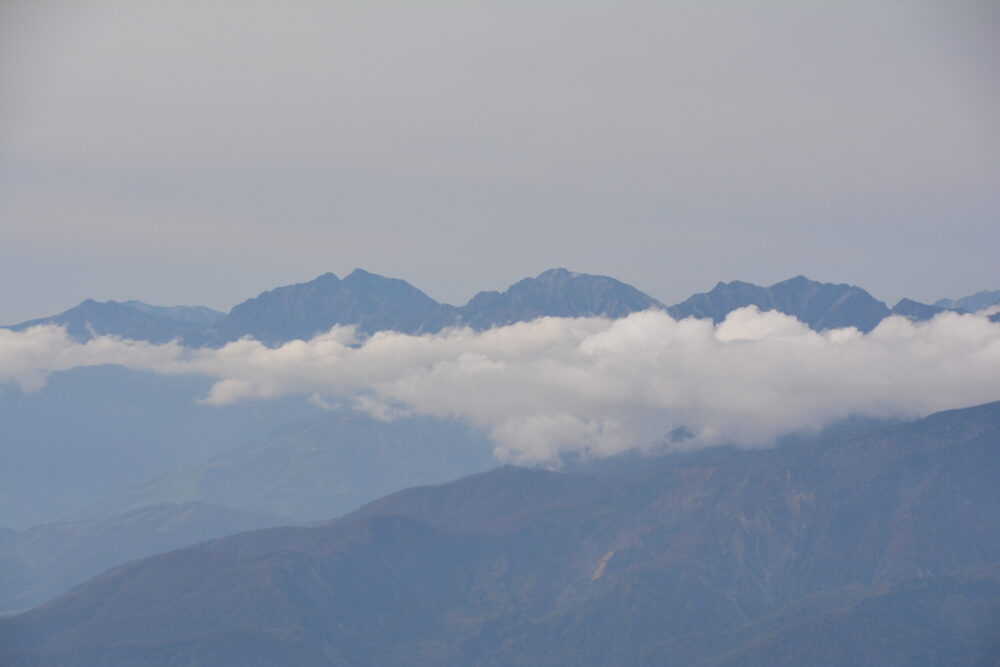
(591, 386)
(28, 357)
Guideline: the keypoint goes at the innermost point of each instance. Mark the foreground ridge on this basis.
(718, 557)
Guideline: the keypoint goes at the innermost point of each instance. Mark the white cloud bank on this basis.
(587, 386)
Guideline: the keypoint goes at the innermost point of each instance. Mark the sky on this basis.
(201, 152)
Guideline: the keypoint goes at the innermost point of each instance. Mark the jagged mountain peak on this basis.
(300, 311)
(556, 292)
(375, 302)
(380, 286)
(820, 305)
(359, 274)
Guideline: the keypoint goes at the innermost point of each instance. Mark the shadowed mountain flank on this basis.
(717, 557)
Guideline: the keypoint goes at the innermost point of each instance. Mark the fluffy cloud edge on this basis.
(589, 387)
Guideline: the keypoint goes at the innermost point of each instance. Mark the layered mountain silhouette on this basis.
(42, 561)
(375, 303)
(100, 444)
(863, 547)
(977, 303)
(972, 303)
(920, 312)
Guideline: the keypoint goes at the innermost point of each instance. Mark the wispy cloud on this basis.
(590, 386)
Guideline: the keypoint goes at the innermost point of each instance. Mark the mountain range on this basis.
(872, 545)
(105, 464)
(376, 303)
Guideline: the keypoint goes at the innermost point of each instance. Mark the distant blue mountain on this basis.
(376, 303)
(367, 300)
(920, 312)
(970, 304)
(974, 302)
(301, 311)
(820, 305)
(555, 293)
(143, 322)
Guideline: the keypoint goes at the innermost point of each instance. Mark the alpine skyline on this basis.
(183, 153)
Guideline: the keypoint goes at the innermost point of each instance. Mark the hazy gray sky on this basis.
(201, 152)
